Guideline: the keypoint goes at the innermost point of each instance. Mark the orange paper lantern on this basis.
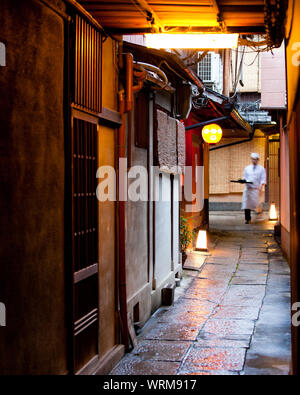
(212, 133)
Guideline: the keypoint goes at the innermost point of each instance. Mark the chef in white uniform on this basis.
(256, 174)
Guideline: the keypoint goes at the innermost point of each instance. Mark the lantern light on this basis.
(192, 40)
(273, 216)
(212, 133)
(201, 243)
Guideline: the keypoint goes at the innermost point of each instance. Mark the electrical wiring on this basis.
(237, 75)
(256, 56)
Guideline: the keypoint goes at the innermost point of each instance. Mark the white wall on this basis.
(163, 265)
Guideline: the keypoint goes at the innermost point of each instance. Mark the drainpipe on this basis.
(121, 214)
(125, 106)
(153, 68)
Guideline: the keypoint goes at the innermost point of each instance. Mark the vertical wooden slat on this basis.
(84, 197)
(77, 206)
(88, 65)
(76, 59)
(92, 68)
(85, 65)
(100, 71)
(96, 70)
(94, 200)
(82, 63)
(86, 176)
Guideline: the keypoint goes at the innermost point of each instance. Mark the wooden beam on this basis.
(111, 117)
(195, 29)
(156, 21)
(219, 15)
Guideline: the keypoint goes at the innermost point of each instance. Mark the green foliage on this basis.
(186, 235)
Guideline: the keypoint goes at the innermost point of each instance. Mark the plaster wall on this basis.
(32, 281)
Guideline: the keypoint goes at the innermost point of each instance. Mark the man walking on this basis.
(255, 174)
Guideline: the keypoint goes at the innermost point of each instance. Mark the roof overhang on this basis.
(167, 61)
(218, 106)
(144, 16)
(268, 129)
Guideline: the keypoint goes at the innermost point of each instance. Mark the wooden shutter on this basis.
(85, 240)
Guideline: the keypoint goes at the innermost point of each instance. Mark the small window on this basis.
(142, 120)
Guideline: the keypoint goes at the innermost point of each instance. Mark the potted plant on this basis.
(186, 237)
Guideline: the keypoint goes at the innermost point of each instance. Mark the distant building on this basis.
(246, 90)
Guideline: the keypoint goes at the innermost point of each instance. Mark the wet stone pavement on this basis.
(230, 316)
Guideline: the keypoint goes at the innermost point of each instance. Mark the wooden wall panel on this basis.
(228, 164)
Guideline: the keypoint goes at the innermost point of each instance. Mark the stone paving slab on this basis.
(245, 301)
(249, 313)
(254, 261)
(271, 342)
(215, 272)
(212, 295)
(230, 316)
(208, 373)
(195, 305)
(132, 365)
(227, 327)
(208, 283)
(162, 350)
(174, 331)
(214, 359)
(188, 317)
(250, 291)
(207, 340)
(249, 267)
(194, 261)
(244, 280)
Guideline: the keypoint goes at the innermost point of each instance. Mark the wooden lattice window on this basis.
(87, 66)
(85, 241)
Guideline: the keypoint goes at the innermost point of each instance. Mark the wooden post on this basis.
(226, 72)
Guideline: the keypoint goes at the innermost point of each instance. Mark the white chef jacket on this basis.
(256, 174)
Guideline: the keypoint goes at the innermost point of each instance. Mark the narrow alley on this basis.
(150, 190)
(230, 317)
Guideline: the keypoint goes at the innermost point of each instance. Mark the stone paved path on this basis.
(230, 317)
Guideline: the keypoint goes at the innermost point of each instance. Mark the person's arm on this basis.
(263, 181)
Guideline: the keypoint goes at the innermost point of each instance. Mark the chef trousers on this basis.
(247, 214)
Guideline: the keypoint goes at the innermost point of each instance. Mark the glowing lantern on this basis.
(273, 216)
(212, 133)
(201, 244)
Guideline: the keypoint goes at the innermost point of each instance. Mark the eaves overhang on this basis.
(142, 16)
(219, 107)
(170, 63)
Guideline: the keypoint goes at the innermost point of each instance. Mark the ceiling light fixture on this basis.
(191, 40)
